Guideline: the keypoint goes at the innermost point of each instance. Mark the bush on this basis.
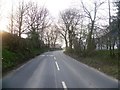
(8, 60)
(17, 50)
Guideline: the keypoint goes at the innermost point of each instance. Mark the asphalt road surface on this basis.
(56, 70)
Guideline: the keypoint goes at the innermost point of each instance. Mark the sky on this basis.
(54, 7)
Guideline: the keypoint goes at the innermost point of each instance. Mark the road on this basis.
(56, 70)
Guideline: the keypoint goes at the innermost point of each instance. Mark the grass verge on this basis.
(100, 61)
(12, 60)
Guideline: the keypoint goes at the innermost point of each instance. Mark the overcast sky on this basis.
(54, 6)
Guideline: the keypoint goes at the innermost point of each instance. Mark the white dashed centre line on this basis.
(57, 65)
(64, 85)
(55, 58)
(42, 55)
(51, 55)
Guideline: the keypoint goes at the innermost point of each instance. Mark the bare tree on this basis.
(109, 38)
(11, 26)
(118, 25)
(92, 18)
(37, 19)
(19, 18)
(64, 33)
(70, 19)
(52, 35)
(47, 39)
(44, 22)
(13, 20)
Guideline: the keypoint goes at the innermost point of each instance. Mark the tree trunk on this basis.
(66, 43)
(70, 40)
(89, 46)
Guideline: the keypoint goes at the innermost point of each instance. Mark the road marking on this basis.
(47, 55)
(20, 67)
(23, 65)
(42, 55)
(51, 55)
(64, 85)
(57, 65)
(55, 58)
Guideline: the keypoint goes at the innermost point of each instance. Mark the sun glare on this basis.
(3, 24)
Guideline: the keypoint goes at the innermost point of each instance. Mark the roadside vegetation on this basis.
(35, 23)
(16, 50)
(86, 32)
(97, 46)
(100, 60)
